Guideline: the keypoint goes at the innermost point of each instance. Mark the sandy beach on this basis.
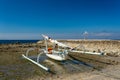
(89, 67)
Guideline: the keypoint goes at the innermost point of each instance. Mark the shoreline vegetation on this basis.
(14, 67)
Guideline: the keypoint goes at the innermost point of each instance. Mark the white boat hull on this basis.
(56, 57)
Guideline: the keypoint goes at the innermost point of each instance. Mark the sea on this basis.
(34, 41)
(17, 41)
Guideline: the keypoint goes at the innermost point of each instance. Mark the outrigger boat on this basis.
(59, 55)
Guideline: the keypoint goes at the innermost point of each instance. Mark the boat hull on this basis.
(56, 57)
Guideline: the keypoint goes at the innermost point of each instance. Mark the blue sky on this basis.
(28, 19)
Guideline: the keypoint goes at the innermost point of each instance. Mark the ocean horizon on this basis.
(17, 41)
(34, 41)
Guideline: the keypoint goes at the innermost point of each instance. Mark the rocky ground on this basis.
(77, 67)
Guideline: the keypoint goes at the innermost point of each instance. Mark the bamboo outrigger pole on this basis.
(43, 67)
(37, 63)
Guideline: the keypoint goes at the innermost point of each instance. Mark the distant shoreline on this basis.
(90, 39)
(34, 41)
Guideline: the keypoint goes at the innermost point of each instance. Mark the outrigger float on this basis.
(59, 55)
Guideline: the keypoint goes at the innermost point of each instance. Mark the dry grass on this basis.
(108, 46)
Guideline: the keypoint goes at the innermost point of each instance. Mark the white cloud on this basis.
(101, 34)
(105, 35)
(8, 36)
